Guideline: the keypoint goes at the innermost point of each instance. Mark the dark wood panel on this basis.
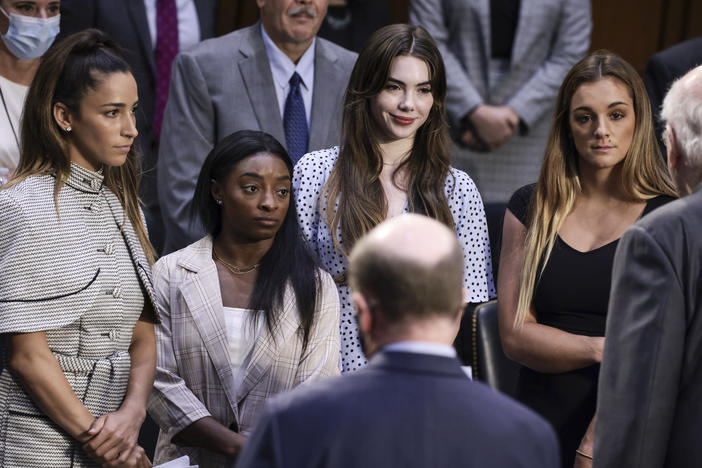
(630, 29)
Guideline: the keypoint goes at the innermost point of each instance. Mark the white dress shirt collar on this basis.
(283, 68)
(421, 347)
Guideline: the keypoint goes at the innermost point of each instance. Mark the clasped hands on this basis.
(489, 127)
(112, 439)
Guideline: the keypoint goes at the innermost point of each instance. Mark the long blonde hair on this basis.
(355, 179)
(66, 73)
(643, 174)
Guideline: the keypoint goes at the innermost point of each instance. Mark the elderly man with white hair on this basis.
(649, 411)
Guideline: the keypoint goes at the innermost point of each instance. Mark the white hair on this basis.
(682, 110)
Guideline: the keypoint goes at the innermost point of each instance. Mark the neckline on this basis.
(84, 179)
(584, 252)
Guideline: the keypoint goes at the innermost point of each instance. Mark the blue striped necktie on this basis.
(295, 120)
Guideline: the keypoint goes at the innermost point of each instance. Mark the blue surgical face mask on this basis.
(29, 37)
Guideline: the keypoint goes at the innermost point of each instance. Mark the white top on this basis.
(312, 172)
(242, 333)
(283, 68)
(14, 94)
(188, 24)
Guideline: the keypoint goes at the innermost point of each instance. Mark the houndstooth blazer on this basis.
(80, 275)
(194, 376)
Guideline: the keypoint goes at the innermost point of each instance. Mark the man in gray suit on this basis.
(648, 408)
(505, 60)
(275, 76)
(133, 24)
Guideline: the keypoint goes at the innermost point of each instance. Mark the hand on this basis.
(471, 140)
(494, 125)
(114, 436)
(136, 459)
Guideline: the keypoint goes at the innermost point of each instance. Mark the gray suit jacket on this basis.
(125, 21)
(551, 36)
(224, 85)
(648, 409)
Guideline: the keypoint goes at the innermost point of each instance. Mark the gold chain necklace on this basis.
(235, 270)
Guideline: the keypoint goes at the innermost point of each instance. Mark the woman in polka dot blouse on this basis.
(394, 158)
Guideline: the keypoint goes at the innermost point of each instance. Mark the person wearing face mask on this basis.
(27, 29)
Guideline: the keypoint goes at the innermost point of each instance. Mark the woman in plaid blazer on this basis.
(76, 304)
(246, 313)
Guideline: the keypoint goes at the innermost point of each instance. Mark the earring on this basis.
(219, 202)
(68, 129)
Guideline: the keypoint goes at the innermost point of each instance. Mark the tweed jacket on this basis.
(194, 376)
(551, 36)
(223, 85)
(81, 276)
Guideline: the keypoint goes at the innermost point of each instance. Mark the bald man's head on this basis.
(409, 267)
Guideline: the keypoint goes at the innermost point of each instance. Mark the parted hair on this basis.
(288, 261)
(67, 72)
(404, 289)
(355, 178)
(643, 175)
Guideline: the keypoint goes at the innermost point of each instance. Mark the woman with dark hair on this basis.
(76, 302)
(246, 313)
(601, 172)
(394, 158)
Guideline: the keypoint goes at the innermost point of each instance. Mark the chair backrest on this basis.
(490, 364)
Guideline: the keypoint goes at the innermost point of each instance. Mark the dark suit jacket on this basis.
(125, 21)
(662, 69)
(648, 410)
(403, 410)
(224, 85)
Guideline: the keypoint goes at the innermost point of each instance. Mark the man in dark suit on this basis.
(412, 406)
(665, 67)
(134, 25)
(648, 409)
(275, 76)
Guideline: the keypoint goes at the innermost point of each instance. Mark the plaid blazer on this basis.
(194, 376)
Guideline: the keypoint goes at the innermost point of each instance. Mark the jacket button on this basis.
(117, 292)
(109, 249)
(95, 184)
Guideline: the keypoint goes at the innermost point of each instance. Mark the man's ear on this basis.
(62, 116)
(363, 313)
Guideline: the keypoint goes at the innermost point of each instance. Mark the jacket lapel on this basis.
(326, 74)
(204, 301)
(258, 79)
(267, 347)
(523, 27)
(483, 7)
(137, 13)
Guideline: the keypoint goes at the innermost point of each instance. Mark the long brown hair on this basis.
(643, 174)
(355, 179)
(66, 73)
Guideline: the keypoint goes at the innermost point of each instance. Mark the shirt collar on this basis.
(421, 347)
(283, 68)
(84, 179)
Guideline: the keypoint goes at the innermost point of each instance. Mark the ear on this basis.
(216, 190)
(363, 313)
(62, 116)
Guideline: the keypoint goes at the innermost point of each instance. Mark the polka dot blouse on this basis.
(311, 173)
